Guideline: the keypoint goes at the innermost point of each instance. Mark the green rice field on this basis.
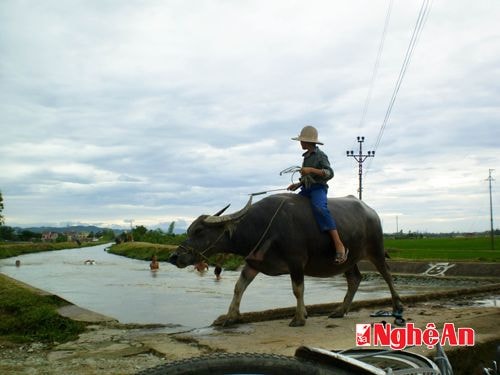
(446, 249)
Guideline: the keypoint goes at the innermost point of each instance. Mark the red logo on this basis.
(363, 335)
(400, 337)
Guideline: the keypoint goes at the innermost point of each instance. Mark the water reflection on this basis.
(129, 291)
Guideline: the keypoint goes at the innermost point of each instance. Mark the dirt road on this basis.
(111, 348)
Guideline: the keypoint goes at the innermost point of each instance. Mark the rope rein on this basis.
(212, 245)
(268, 225)
(293, 169)
(191, 250)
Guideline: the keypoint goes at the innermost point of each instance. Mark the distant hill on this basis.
(90, 228)
(74, 228)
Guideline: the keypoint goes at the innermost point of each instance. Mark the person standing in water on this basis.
(154, 265)
(217, 272)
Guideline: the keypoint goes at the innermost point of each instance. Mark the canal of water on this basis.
(127, 290)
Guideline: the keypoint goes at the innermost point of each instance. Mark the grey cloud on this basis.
(165, 110)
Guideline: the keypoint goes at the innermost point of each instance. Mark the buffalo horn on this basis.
(226, 218)
(222, 211)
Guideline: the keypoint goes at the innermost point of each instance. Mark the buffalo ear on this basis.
(222, 211)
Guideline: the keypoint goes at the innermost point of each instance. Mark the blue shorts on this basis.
(319, 203)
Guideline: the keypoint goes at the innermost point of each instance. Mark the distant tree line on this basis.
(12, 234)
(417, 235)
(141, 234)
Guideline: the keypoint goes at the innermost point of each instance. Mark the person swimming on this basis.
(201, 267)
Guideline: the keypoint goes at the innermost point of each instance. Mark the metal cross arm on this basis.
(360, 158)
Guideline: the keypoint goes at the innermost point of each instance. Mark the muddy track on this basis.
(326, 308)
(112, 348)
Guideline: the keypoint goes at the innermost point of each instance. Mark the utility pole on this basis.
(492, 234)
(131, 221)
(360, 158)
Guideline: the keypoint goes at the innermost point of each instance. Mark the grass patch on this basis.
(27, 316)
(230, 262)
(445, 249)
(145, 250)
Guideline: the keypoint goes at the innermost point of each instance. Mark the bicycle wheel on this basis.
(396, 360)
(242, 363)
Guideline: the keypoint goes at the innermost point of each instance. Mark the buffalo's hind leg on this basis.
(246, 277)
(382, 267)
(353, 277)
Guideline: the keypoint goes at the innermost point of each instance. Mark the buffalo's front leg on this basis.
(246, 277)
(298, 290)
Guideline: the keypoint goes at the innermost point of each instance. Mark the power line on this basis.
(422, 17)
(406, 62)
(377, 63)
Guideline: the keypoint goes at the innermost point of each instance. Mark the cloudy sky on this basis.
(161, 110)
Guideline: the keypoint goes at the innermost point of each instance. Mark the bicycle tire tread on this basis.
(220, 363)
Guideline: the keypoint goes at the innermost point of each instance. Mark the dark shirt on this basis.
(319, 160)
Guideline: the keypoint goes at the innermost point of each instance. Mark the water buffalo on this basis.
(284, 231)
